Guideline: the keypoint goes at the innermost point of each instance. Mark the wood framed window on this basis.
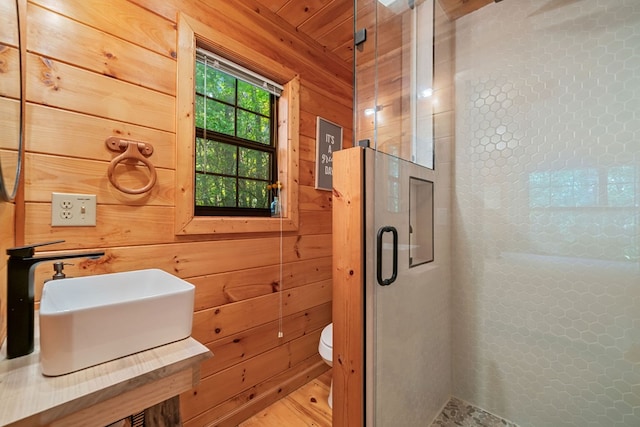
(236, 136)
(233, 213)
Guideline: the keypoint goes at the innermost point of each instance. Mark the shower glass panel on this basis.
(407, 370)
(394, 95)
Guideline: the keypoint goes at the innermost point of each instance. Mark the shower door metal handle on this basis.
(394, 274)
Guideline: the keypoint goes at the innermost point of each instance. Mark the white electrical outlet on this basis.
(73, 209)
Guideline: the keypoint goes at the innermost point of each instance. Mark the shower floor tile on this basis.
(458, 413)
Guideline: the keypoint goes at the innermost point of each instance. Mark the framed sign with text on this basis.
(328, 140)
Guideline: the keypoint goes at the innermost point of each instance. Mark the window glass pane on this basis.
(585, 186)
(621, 174)
(254, 127)
(199, 77)
(562, 178)
(233, 122)
(253, 98)
(215, 157)
(201, 146)
(621, 194)
(253, 194)
(253, 164)
(539, 197)
(219, 117)
(562, 196)
(621, 186)
(586, 177)
(539, 179)
(214, 190)
(215, 84)
(199, 112)
(585, 194)
(221, 86)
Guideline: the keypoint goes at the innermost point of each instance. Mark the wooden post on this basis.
(348, 288)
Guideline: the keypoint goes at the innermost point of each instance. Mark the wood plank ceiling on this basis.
(330, 22)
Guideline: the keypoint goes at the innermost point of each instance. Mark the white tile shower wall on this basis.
(546, 211)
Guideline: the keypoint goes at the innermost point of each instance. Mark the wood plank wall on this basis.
(97, 69)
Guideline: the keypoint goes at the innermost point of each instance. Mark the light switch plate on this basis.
(73, 210)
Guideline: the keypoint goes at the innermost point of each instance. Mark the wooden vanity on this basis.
(99, 395)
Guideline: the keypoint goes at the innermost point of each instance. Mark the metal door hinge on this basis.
(360, 36)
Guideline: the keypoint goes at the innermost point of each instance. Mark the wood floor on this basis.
(306, 406)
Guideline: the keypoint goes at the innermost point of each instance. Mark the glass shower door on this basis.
(393, 103)
(401, 344)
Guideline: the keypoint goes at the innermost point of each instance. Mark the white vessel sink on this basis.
(89, 320)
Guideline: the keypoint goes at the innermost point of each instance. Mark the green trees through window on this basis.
(235, 150)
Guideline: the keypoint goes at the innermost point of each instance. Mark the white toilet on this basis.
(325, 348)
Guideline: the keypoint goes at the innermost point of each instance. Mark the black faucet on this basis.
(20, 294)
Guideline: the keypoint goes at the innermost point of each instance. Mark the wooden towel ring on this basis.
(135, 150)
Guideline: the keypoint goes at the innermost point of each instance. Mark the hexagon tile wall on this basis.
(546, 287)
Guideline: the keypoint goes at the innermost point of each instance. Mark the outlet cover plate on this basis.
(73, 210)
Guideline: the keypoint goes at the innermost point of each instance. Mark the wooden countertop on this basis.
(29, 398)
